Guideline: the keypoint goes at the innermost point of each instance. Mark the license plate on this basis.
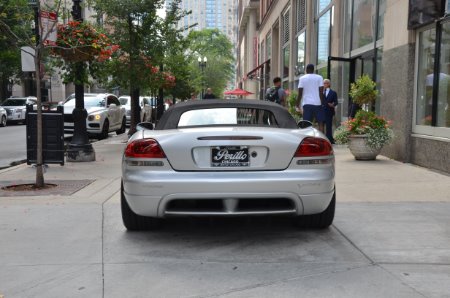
(230, 156)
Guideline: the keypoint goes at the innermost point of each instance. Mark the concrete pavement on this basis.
(390, 238)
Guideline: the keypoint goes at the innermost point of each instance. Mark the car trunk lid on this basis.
(228, 148)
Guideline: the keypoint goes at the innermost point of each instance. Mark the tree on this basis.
(175, 58)
(216, 46)
(17, 17)
(134, 27)
(15, 22)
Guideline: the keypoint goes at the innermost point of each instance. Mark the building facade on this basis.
(402, 45)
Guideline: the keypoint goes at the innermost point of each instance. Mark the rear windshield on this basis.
(123, 101)
(227, 116)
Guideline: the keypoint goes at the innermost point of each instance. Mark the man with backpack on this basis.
(276, 93)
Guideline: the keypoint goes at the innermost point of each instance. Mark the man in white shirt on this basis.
(310, 91)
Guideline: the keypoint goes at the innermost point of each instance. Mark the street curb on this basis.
(16, 165)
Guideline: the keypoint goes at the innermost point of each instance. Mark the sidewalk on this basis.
(87, 181)
(389, 239)
(382, 180)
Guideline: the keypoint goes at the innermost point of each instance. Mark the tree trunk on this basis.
(39, 153)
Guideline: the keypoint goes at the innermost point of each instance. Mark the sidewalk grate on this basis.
(63, 188)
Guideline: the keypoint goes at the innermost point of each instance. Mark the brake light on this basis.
(144, 148)
(311, 146)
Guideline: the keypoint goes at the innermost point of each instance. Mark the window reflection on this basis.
(363, 22)
(301, 40)
(381, 13)
(323, 38)
(425, 77)
(323, 4)
(443, 105)
(286, 61)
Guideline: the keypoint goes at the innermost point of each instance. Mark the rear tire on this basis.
(321, 220)
(3, 121)
(123, 127)
(105, 130)
(133, 221)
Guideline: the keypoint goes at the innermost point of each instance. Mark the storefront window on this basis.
(381, 12)
(363, 22)
(286, 61)
(301, 40)
(425, 77)
(323, 44)
(269, 46)
(379, 66)
(347, 25)
(443, 105)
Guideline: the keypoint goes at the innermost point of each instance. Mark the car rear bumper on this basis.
(162, 194)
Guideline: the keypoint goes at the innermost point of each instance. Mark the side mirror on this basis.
(144, 126)
(304, 124)
(113, 105)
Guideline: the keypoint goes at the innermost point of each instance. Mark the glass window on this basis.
(286, 54)
(443, 105)
(347, 25)
(363, 22)
(425, 77)
(322, 4)
(379, 61)
(323, 38)
(301, 41)
(227, 116)
(381, 13)
(323, 72)
(269, 46)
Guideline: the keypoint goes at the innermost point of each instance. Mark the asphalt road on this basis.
(13, 145)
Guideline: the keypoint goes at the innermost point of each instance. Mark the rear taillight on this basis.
(311, 146)
(144, 148)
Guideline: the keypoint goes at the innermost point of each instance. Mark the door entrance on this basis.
(344, 71)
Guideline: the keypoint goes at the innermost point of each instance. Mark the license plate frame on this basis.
(229, 156)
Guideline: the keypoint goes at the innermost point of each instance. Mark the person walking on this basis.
(209, 94)
(276, 93)
(310, 93)
(331, 101)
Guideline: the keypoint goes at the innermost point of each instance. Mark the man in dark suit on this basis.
(331, 101)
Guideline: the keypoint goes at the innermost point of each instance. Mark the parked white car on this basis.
(3, 117)
(145, 108)
(16, 108)
(105, 114)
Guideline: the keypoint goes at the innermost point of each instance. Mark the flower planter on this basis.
(78, 55)
(359, 148)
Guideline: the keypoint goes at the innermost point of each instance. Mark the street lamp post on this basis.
(79, 148)
(202, 65)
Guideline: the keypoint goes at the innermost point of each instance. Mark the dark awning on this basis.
(258, 67)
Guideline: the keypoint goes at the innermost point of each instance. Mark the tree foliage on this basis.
(15, 30)
(218, 49)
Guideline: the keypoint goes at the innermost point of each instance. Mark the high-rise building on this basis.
(212, 14)
(220, 14)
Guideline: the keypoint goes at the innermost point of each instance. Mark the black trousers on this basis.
(329, 125)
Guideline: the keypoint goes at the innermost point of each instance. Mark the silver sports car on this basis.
(227, 158)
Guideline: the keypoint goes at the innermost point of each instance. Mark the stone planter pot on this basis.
(359, 148)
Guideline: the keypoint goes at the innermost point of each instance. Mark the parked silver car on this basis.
(105, 114)
(227, 158)
(3, 117)
(16, 108)
(144, 104)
